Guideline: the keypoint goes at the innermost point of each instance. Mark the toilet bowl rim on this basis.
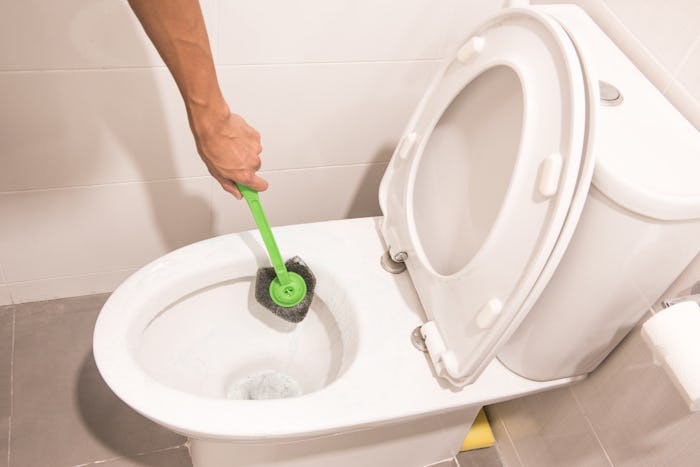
(116, 341)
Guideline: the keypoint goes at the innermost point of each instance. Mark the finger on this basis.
(229, 186)
(233, 189)
(257, 183)
(253, 132)
(257, 163)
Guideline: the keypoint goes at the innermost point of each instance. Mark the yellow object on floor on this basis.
(480, 434)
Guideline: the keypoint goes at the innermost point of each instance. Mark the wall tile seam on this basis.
(589, 423)
(656, 72)
(684, 61)
(132, 456)
(196, 177)
(107, 184)
(68, 276)
(510, 439)
(79, 69)
(629, 40)
(221, 65)
(332, 62)
(449, 43)
(12, 385)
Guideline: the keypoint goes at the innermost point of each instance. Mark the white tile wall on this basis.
(329, 114)
(56, 233)
(282, 31)
(666, 29)
(99, 170)
(300, 196)
(70, 34)
(467, 15)
(689, 71)
(95, 127)
(74, 128)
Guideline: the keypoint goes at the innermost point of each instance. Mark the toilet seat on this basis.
(537, 91)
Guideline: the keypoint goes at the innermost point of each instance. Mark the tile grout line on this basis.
(693, 45)
(73, 276)
(12, 387)
(138, 454)
(448, 36)
(107, 69)
(194, 177)
(98, 185)
(590, 425)
(510, 440)
(4, 283)
(602, 8)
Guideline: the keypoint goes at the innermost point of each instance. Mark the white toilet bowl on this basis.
(492, 202)
(178, 334)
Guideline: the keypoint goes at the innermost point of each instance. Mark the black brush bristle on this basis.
(264, 278)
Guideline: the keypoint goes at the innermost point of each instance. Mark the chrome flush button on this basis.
(609, 94)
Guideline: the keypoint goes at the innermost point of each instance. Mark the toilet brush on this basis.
(286, 289)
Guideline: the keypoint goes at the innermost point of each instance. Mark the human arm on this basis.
(228, 146)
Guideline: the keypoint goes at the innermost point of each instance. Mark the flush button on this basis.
(609, 94)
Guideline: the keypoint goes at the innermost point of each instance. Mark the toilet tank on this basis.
(638, 230)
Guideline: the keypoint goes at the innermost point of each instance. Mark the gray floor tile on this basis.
(178, 457)
(548, 429)
(63, 412)
(504, 444)
(486, 457)
(5, 378)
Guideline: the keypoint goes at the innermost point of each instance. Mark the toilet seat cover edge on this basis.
(473, 263)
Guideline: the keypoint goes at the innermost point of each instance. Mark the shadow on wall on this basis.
(366, 199)
(86, 127)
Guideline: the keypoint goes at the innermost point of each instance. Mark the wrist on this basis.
(205, 115)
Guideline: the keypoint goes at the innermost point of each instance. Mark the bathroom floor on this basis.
(55, 410)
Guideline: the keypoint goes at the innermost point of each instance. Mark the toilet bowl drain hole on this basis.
(267, 384)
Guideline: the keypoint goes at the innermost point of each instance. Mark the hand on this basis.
(229, 147)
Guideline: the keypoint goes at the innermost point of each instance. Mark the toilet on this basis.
(543, 195)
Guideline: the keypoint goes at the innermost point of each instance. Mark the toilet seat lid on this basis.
(482, 182)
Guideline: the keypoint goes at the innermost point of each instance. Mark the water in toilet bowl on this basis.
(202, 345)
(266, 384)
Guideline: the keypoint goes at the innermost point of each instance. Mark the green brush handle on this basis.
(253, 200)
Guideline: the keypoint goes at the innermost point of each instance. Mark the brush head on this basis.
(266, 276)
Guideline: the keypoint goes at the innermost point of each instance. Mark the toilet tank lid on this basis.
(647, 153)
(655, 170)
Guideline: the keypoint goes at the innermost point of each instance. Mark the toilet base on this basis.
(417, 442)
